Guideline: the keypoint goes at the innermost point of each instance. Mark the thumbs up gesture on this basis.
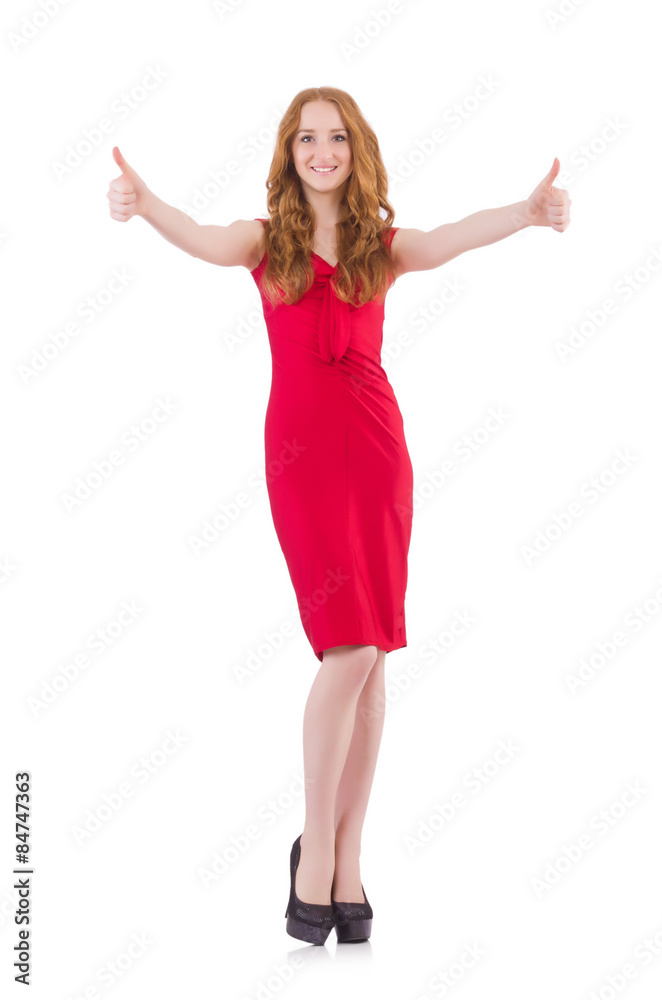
(548, 205)
(127, 194)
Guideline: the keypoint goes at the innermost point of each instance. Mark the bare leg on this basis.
(356, 783)
(328, 724)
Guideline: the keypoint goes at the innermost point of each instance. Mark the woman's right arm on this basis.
(239, 244)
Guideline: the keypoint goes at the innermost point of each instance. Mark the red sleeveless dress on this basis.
(339, 475)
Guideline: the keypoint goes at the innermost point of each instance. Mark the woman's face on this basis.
(322, 141)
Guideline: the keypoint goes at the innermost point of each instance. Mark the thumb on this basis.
(549, 179)
(122, 164)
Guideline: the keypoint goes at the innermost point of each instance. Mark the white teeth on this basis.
(323, 170)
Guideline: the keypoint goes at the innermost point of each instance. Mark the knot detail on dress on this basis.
(334, 318)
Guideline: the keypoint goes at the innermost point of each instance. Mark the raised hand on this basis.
(548, 205)
(127, 194)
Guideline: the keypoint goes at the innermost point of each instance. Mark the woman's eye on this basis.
(304, 137)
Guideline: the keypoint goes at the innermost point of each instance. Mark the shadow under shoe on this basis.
(311, 922)
(353, 920)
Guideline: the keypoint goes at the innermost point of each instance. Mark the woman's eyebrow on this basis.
(314, 130)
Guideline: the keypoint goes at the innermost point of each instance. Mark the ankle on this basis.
(347, 838)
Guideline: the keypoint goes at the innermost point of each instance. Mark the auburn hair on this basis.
(365, 266)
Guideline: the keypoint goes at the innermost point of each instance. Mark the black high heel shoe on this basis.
(353, 920)
(311, 922)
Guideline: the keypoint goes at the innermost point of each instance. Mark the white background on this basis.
(495, 873)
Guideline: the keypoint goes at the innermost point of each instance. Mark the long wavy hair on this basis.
(365, 266)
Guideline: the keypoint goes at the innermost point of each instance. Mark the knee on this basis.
(376, 676)
(355, 662)
(364, 659)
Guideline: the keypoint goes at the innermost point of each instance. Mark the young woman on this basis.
(342, 500)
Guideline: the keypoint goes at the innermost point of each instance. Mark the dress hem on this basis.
(361, 642)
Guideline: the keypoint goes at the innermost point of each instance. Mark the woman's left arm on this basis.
(416, 250)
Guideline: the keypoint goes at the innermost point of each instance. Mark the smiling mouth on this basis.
(323, 170)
